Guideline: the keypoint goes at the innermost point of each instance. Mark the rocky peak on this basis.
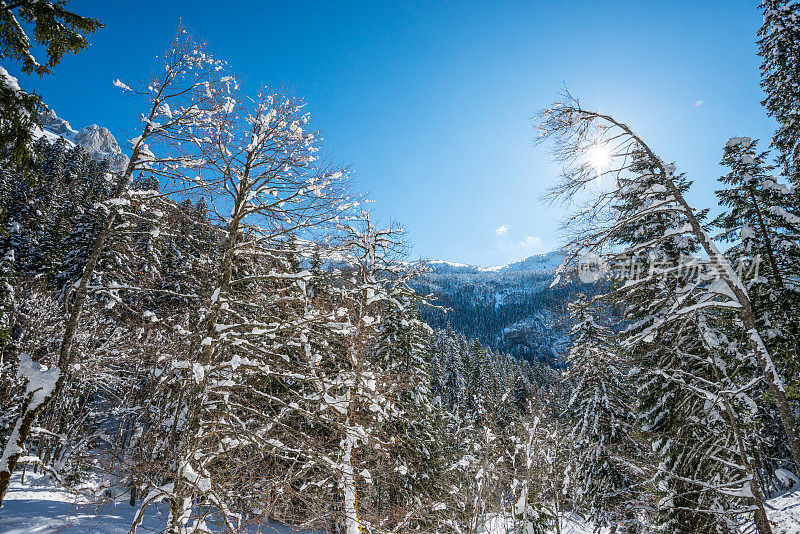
(98, 141)
(53, 123)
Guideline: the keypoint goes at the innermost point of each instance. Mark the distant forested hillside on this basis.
(511, 309)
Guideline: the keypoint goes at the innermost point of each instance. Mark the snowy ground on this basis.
(41, 507)
(784, 512)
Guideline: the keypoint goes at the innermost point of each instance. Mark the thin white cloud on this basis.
(531, 242)
(502, 230)
(515, 250)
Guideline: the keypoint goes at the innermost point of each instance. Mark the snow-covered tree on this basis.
(762, 222)
(259, 171)
(779, 48)
(601, 410)
(640, 219)
(57, 29)
(176, 101)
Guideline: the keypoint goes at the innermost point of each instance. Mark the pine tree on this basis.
(60, 32)
(601, 411)
(763, 223)
(779, 48)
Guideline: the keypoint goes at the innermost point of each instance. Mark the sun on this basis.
(598, 156)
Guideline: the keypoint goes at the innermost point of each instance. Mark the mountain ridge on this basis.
(98, 141)
(545, 261)
(511, 308)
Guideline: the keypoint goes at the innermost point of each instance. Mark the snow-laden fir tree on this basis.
(601, 413)
(761, 220)
(408, 477)
(779, 48)
(640, 219)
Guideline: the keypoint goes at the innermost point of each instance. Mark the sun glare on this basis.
(599, 156)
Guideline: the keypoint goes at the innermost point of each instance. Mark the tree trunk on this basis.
(29, 413)
(348, 482)
(774, 382)
(760, 515)
(726, 272)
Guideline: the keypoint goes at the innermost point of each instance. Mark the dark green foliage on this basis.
(17, 119)
(779, 48)
(603, 425)
(58, 29)
(762, 220)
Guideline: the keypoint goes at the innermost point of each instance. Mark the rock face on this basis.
(53, 123)
(98, 141)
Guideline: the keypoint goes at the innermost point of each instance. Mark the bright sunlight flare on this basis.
(598, 156)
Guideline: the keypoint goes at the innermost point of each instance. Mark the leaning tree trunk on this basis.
(726, 272)
(32, 408)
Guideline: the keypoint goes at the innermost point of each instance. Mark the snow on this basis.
(784, 512)
(744, 142)
(41, 381)
(121, 85)
(40, 385)
(10, 80)
(39, 506)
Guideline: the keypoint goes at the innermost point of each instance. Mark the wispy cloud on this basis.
(531, 242)
(514, 249)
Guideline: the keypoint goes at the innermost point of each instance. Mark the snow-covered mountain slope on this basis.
(546, 263)
(510, 308)
(98, 141)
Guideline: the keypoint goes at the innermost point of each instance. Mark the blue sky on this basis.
(431, 103)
